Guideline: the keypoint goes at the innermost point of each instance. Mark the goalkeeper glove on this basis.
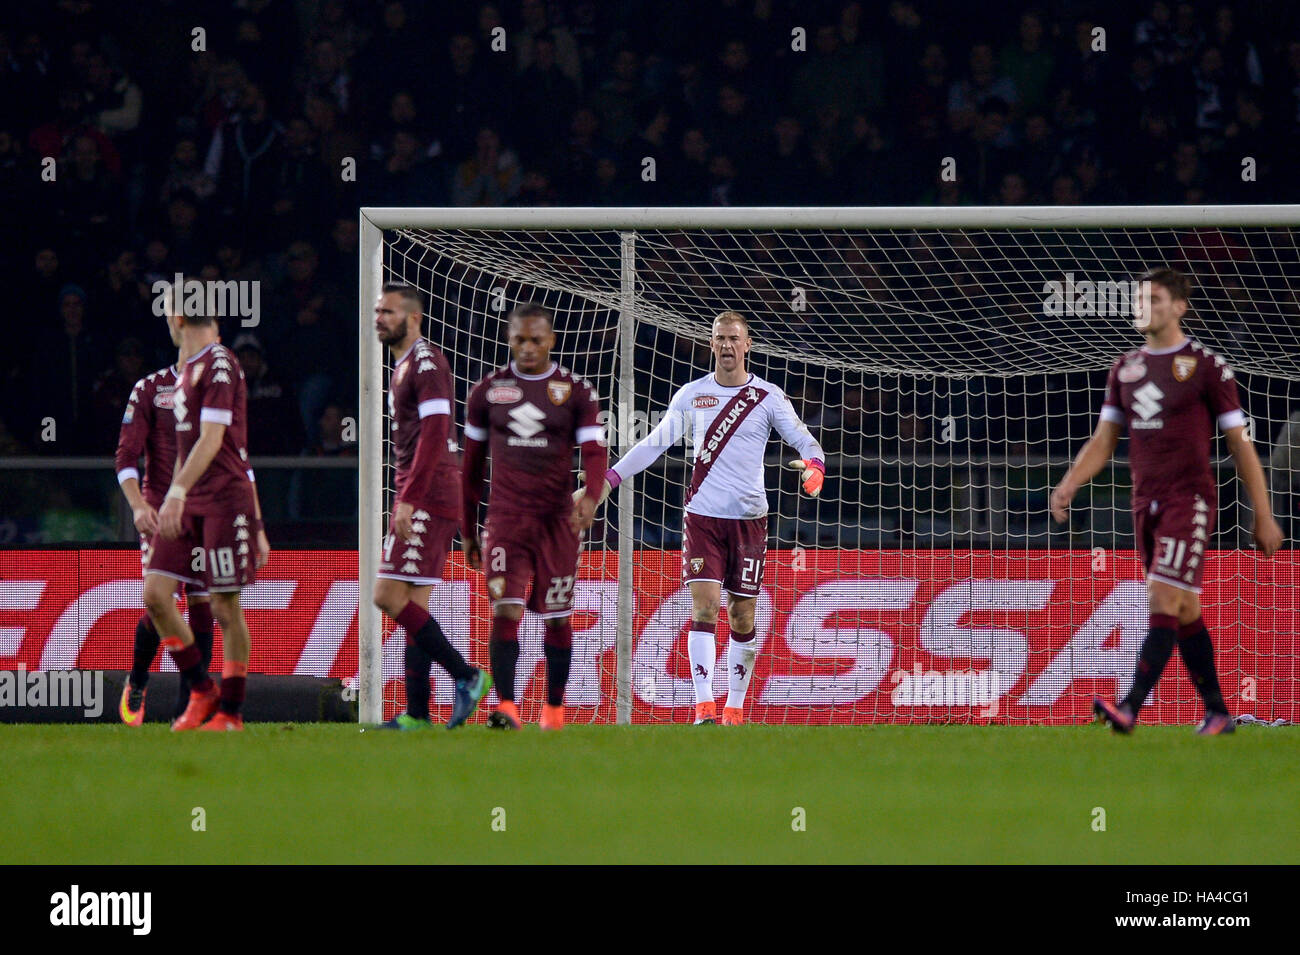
(814, 474)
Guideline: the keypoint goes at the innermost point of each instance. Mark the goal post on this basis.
(951, 361)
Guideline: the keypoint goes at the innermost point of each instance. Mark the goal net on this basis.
(951, 362)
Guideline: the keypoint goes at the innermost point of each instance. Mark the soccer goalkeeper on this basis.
(730, 414)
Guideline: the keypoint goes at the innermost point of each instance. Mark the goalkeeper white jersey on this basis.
(728, 430)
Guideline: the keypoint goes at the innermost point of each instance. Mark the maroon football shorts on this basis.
(520, 549)
(420, 559)
(1173, 535)
(728, 550)
(215, 551)
(192, 589)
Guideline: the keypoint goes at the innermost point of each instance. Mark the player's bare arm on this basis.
(144, 516)
(1267, 531)
(211, 434)
(1087, 465)
(263, 542)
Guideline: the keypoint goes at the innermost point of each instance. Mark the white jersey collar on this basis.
(1167, 351)
(197, 355)
(514, 370)
(748, 381)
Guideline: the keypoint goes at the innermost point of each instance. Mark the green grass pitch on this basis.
(649, 794)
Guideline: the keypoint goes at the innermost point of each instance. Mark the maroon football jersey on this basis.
(149, 429)
(532, 425)
(212, 389)
(421, 387)
(1171, 401)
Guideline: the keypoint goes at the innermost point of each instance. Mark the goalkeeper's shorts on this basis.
(730, 551)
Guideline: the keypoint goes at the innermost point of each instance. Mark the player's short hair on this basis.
(532, 310)
(731, 315)
(409, 293)
(1178, 285)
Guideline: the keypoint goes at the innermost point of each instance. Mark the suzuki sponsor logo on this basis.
(1146, 405)
(526, 421)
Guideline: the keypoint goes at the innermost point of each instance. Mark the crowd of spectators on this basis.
(236, 140)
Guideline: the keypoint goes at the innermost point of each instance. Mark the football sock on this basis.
(703, 654)
(741, 651)
(200, 620)
(1157, 648)
(558, 648)
(146, 647)
(428, 635)
(233, 677)
(417, 679)
(189, 661)
(1197, 651)
(201, 624)
(503, 651)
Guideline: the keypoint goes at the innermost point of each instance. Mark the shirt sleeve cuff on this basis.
(219, 415)
(1235, 418)
(126, 474)
(590, 433)
(1112, 414)
(475, 433)
(435, 406)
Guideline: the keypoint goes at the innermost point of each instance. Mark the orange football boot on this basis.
(706, 712)
(200, 707)
(732, 716)
(224, 721)
(504, 717)
(552, 717)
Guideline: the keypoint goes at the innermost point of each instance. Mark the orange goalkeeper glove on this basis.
(814, 474)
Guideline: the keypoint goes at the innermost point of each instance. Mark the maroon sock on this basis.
(232, 694)
(189, 660)
(412, 617)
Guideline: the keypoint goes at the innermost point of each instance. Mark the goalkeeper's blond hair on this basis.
(730, 315)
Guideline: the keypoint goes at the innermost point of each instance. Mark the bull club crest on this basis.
(496, 587)
(401, 373)
(194, 375)
(697, 564)
(1184, 367)
(558, 391)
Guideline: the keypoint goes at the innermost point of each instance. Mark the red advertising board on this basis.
(845, 636)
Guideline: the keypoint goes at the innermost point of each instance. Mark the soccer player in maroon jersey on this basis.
(529, 416)
(1171, 393)
(425, 516)
(208, 516)
(149, 431)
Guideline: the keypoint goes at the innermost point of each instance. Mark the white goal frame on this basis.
(627, 221)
